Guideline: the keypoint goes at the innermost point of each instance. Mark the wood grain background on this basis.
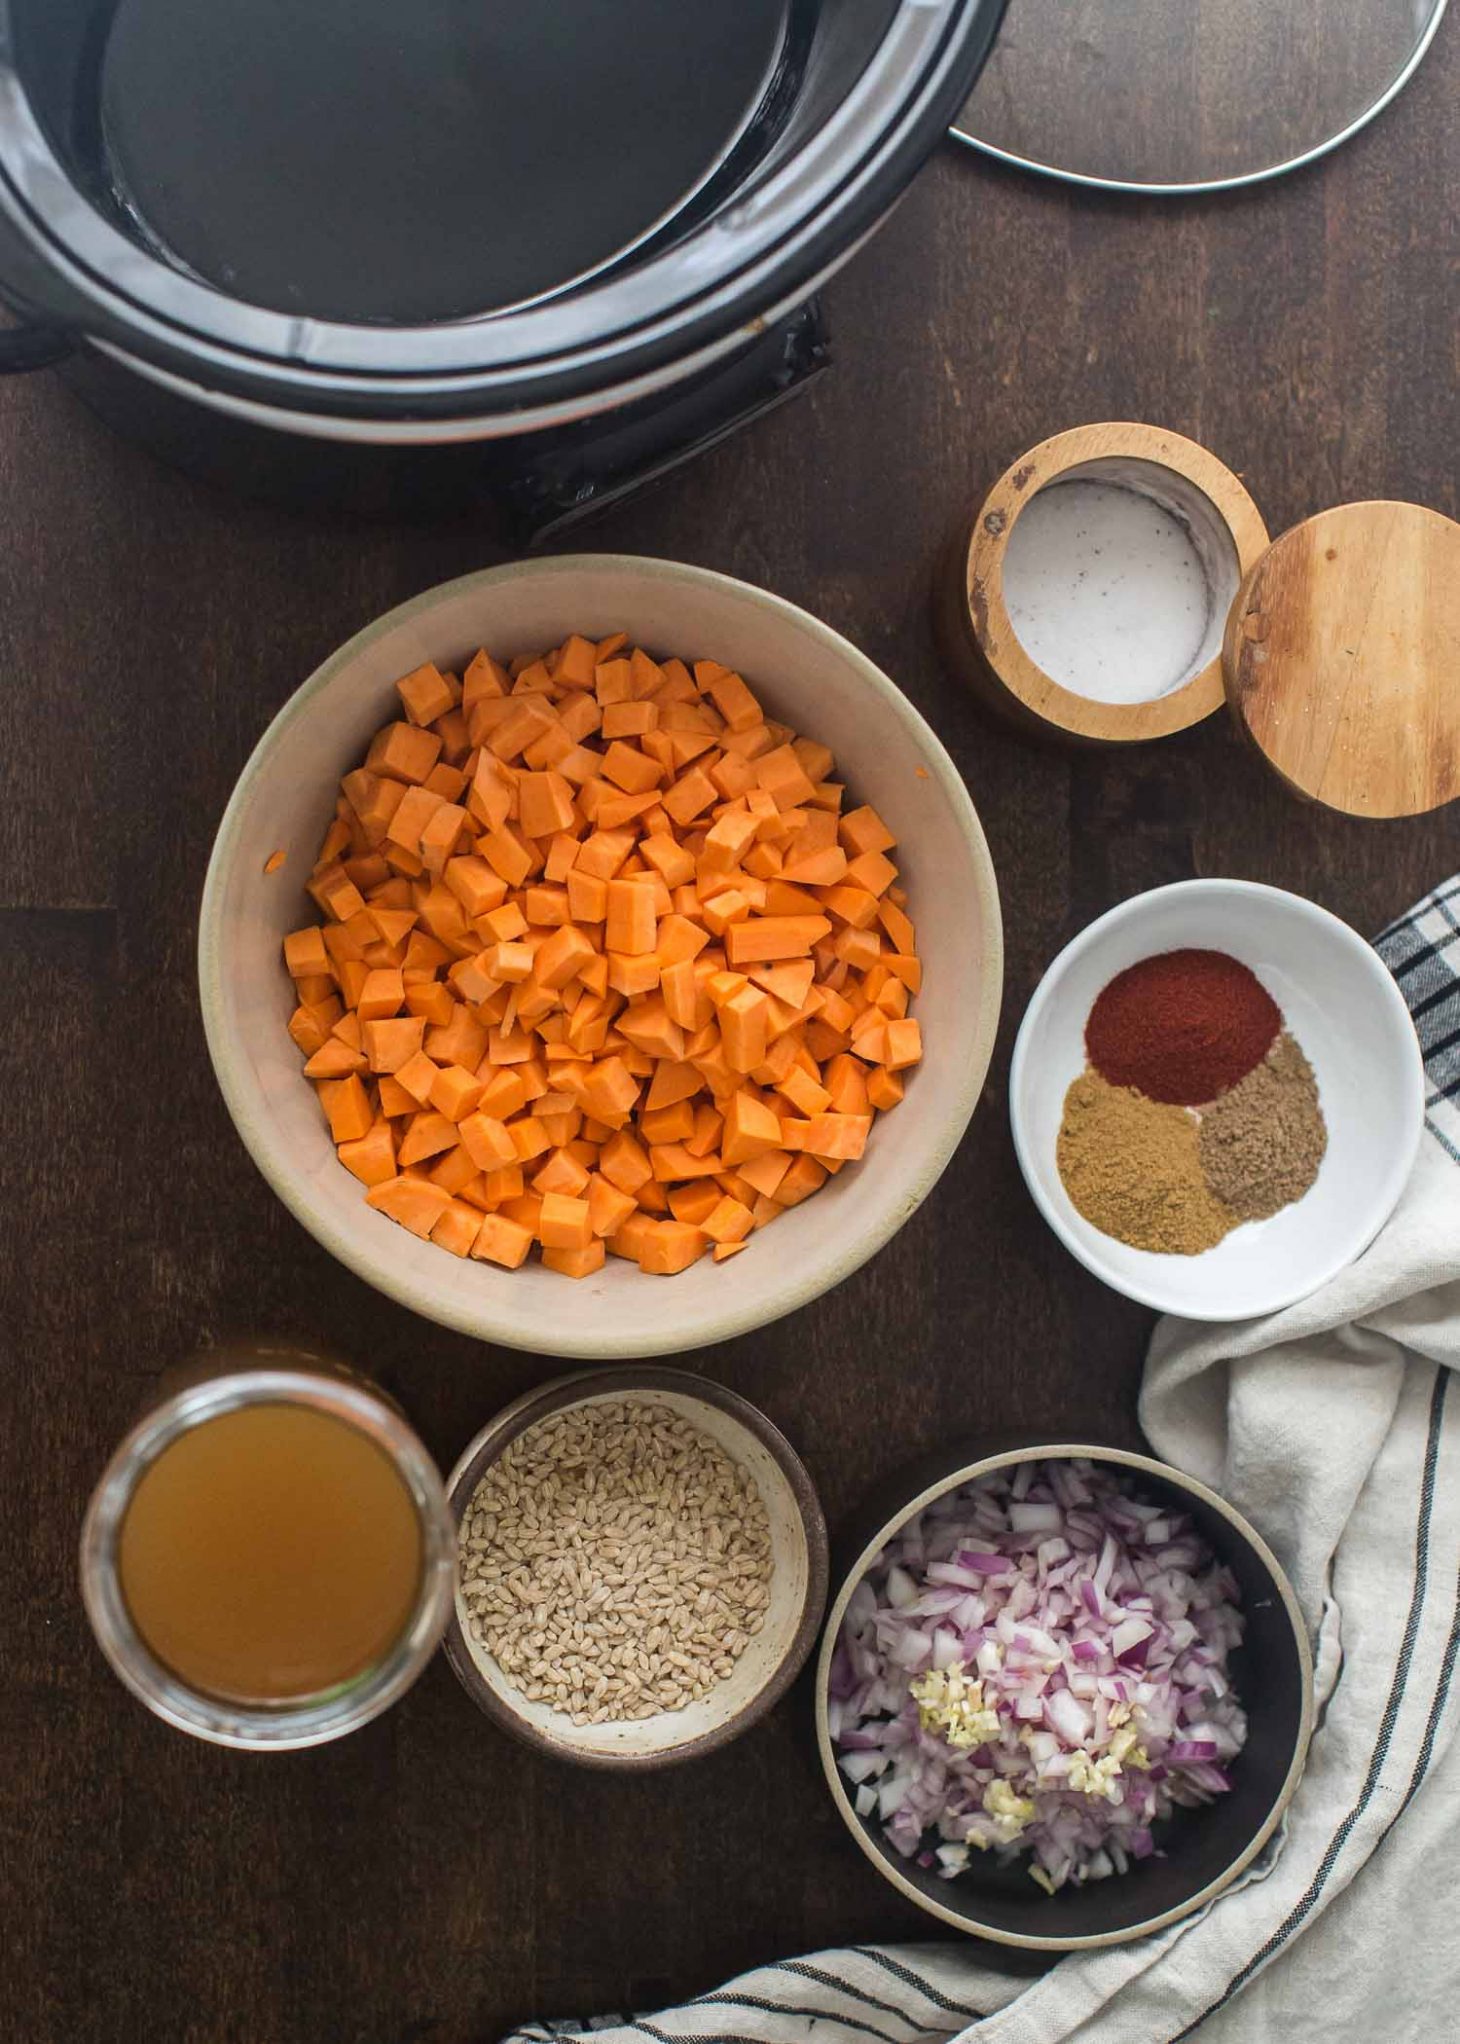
(427, 1879)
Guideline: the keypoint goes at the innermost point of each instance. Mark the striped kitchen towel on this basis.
(1336, 1427)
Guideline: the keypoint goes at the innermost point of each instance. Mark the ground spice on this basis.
(1182, 1027)
(1132, 1167)
(1262, 1143)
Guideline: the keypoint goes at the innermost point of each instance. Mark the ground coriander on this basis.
(1261, 1144)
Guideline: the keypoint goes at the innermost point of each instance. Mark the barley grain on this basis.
(618, 1559)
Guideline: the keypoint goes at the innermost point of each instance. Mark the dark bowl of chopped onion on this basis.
(1064, 1695)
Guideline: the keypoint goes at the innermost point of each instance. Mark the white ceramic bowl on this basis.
(775, 1655)
(1349, 1016)
(808, 676)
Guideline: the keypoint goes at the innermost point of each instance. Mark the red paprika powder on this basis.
(1182, 1027)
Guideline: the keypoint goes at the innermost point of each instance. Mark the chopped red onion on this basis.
(1037, 1665)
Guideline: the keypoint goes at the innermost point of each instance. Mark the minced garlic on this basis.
(1098, 1777)
(953, 1705)
(1009, 1810)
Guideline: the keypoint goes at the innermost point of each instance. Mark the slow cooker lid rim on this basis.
(858, 196)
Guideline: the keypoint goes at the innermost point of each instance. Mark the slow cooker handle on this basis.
(24, 348)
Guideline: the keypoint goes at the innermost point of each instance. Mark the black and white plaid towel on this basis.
(1336, 1427)
(1422, 950)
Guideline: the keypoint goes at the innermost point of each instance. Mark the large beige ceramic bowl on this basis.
(807, 676)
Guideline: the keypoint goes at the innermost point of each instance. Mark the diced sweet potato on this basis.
(597, 922)
(371, 1157)
(671, 1246)
(504, 1241)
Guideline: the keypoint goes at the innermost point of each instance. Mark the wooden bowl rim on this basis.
(1057, 708)
(1061, 1451)
(558, 1395)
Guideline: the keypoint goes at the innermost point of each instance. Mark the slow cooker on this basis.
(457, 251)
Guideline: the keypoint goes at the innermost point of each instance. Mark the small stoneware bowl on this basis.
(775, 1655)
(806, 675)
(1341, 1004)
(1200, 1851)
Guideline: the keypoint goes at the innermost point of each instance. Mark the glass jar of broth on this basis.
(268, 1559)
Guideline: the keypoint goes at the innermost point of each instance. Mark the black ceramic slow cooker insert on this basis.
(353, 225)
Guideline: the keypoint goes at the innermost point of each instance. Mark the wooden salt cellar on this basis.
(978, 636)
(1342, 658)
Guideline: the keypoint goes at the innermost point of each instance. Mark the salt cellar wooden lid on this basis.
(1342, 658)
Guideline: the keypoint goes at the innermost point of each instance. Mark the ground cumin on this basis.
(1132, 1167)
(1261, 1143)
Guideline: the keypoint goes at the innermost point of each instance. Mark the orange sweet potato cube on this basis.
(392, 1043)
(577, 658)
(417, 1076)
(546, 908)
(872, 871)
(426, 694)
(500, 1240)
(675, 866)
(427, 1135)
(884, 1089)
(766, 939)
(562, 957)
(347, 1108)
(487, 1141)
(610, 1093)
(670, 1246)
(587, 897)
(608, 1206)
(383, 994)
(803, 1177)
(371, 1157)
(632, 924)
(305, 956)
(441, 835)
(455, 1092)
(403, 752)
(625, 1163)
(545, 804)
(576, 1263)
(904, 1043)
(750, 1128)
(630, 769)
(414, 1202)
(506, 854)
(414, 811)
(783, 777)
(862, 830)
(693, 792)
(804, 1093)
(604, 852)
(629, 720)
(743, 1028)
(310, 1026)
(453, 1170)
(561, 1173)
(729, 1221)
(563, 1222)
(838, 1136)
(735, 702)
(458, 1227)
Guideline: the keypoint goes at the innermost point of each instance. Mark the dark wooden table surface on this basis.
(426, 1879)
